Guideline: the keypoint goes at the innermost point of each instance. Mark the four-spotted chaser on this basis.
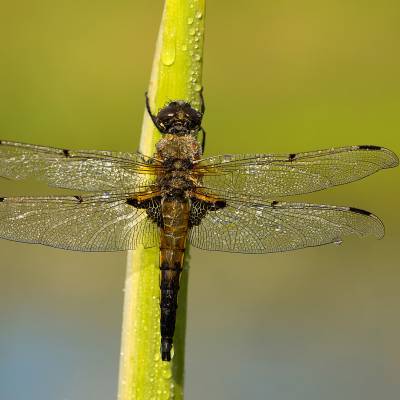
(224, 203)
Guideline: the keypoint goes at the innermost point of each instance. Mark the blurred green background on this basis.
(279, 76)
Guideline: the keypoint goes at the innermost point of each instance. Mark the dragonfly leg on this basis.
(202, 104)
(152, 116)
(202, 110)
(203, 140)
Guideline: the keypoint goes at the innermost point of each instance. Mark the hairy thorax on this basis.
(175, 147)
(177, 154)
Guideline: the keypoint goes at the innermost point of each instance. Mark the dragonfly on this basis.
(233, 203)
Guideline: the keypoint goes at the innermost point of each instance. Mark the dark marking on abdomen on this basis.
(359, 211)
(164, 266)
(169, 287)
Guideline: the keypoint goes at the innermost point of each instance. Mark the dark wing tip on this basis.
(376, 227)
(369, 147)
(392, 159)
(359, 211)
(2, 199)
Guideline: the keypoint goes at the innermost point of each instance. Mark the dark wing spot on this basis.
(79, 198)
(153, 210)
(66, 153)
(198, 211)
(152, 207)
(133, 202)
(200, 208)
(292, 156)
(219, 204)
(369, 147)
(359, 211)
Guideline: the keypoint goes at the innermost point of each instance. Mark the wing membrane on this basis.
(80, 170)
(95, 223)
(275, 227)
(266, 176)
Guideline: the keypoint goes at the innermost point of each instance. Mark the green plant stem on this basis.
(176, 74)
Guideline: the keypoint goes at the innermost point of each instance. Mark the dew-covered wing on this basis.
(103, 222)
(86, 170)
(266, 176)
(278, 226)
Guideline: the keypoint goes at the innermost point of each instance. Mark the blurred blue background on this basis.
(280, 76)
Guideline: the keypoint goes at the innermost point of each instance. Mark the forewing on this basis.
(266, 176)
(266, 228)
(80, 170)
(92, 223)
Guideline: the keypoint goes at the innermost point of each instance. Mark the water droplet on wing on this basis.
(337, 241)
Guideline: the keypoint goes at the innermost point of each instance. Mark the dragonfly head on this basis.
(180, 118)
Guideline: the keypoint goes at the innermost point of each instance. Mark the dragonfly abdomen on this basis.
(173, 234)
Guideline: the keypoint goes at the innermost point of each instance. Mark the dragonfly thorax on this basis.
(176, 152)
(176, 183)
(178, 164)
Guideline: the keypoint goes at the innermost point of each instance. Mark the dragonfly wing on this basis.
(266, 176)
(79, 170)
(103, 222)
(278, 226)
